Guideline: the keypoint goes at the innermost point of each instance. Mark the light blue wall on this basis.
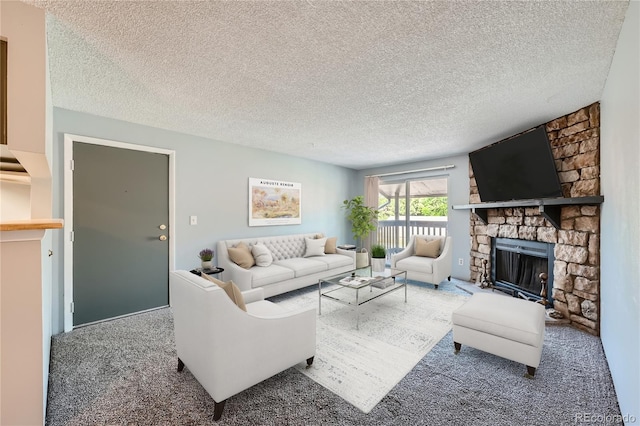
(212, 183)
(620, 235)
(458, 193)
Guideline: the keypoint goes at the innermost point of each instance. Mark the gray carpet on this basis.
(123, 372)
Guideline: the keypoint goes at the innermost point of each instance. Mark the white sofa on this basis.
(289, 270)
(426, 269)
(229, 350)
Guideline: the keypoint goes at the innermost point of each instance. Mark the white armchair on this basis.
(229, 350)
(426, 269)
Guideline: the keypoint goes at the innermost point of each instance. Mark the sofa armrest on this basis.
(350, 253)
(241, 277)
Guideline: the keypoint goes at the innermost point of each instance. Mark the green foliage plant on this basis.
(363, 218)
(206, 254)
(378, 251)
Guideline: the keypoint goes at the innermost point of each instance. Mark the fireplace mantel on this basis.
(549, 207)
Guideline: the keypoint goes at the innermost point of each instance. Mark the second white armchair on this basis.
(426, 258)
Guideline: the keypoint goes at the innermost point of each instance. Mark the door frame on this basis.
(69, 139)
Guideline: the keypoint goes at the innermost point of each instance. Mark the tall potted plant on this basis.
(363, 222)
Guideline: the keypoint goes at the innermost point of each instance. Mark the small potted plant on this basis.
(205, 256)
(378, 258)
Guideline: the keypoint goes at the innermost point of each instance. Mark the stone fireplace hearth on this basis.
(575, 143)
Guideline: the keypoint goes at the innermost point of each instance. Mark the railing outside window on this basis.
(392, 233)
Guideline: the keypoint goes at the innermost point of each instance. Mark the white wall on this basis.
(212, 181)
(25, 282)
(620, 238)
(458, 193)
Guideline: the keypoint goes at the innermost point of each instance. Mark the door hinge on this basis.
(72, 307)
(72, 236)
(72, 165)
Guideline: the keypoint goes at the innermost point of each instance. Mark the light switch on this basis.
(193, 220)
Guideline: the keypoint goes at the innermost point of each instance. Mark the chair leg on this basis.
(531, 371)
(309, 362)
(457, 347)
(180, 365)
(217, 410)
(449, 277)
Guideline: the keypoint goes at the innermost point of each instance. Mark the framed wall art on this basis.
(274, 202)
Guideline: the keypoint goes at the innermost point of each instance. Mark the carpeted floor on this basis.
(123, 372)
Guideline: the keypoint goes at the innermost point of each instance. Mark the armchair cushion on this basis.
(231, 289)
(427, 248)
(417, 263)
(241, 255)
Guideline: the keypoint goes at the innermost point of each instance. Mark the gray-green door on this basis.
(120, 204)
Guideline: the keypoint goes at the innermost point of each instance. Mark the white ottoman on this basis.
(501, 325)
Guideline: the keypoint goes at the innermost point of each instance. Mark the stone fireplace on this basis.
(575, 274)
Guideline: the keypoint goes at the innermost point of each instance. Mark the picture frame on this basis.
(274, 202)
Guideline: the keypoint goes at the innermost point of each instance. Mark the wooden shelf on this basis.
(31, 224)
(549, 207)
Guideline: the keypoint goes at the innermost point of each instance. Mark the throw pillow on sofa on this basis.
(314, 247)
(262, 255)
(231, 289)
(427, 248)
(241, 255)
(330, 245)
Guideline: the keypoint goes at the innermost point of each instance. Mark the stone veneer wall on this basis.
(575, 143)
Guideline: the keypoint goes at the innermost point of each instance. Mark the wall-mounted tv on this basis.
(516, 169)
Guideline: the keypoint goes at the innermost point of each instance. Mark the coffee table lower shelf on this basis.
(357, 293)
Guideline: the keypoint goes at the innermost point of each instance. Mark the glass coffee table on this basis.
(360, 286)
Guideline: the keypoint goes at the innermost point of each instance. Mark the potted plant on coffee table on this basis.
(363, 222)
(378, 258)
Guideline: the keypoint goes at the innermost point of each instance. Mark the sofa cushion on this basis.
(230, 288)
(335, 260)
(416, 263)
(314, 247)
(427, 248)
(241, 255)
(269, 275)
(303, 266)
(262, 255)
(330, 245)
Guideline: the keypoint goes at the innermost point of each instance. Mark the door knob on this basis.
(163, 238)
(163, 227)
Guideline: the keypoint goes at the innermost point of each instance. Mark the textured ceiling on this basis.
(357, 84)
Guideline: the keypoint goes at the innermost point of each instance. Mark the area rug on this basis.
(361, 361)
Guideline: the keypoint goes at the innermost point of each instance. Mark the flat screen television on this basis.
(519, 168)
